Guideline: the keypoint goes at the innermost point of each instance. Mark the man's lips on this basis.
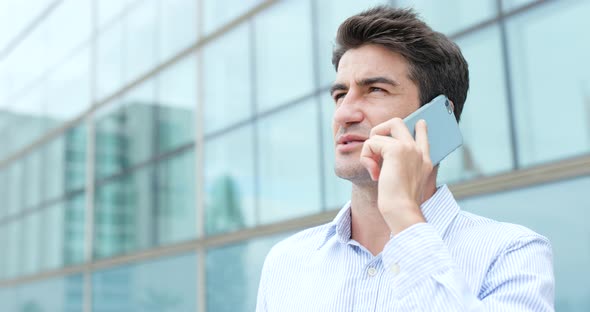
(349, 142)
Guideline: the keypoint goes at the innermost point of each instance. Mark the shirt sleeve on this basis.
(427, 278)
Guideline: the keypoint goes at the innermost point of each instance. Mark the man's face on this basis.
(372, 86)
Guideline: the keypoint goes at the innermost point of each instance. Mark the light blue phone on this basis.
(444, 135)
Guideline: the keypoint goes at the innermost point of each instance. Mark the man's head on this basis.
(388, 64)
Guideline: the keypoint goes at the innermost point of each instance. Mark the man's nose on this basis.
(348, 111)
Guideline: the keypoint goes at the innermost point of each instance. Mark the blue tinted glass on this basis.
(337, 190)
(452, 16)
(508, 5)
(176, 105)
(560, 212)
(283, 53)
(33, 178)
(16, 177)
(217, 13)
(124, 214)
(57, 294)
(13, 256)
(140, 39)
(487, 148)
(233, 274)
(289, 163)
(109, 60)
(228, 83)
(230, 181)
(178, 26)
(551, 82)
(63, 233)
(125, 132)
(167, 284)
(176, 217)
(31, 243)
(68, 88)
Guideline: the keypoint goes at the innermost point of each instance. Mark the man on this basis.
(401, 243)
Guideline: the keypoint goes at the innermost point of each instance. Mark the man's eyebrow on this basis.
(372, 80)
(337, 86)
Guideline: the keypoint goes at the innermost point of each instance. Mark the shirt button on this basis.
(394, 269)
(372, 271)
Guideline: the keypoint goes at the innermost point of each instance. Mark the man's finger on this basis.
(422, 138)
(395, 128)
(371, 154)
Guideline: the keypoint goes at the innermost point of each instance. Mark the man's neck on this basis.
(368, 227)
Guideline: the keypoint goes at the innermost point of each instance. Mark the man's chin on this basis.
(354, 174)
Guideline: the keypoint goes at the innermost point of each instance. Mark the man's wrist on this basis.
(402, 216)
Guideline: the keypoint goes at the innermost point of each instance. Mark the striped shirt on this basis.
(456, 261)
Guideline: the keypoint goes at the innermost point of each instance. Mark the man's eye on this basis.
(338, 96)
(375, 89)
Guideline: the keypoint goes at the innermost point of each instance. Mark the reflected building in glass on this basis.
(155, 150)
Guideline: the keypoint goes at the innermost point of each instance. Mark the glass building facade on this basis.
(153, 151)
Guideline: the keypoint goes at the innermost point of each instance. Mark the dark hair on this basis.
(436, 64)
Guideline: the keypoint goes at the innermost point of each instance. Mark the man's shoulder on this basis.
(486, 231)
(300, 243)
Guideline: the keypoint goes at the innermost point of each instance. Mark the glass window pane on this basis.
(487, 148)
(56, 294)
(176, 198)
(7, 299)
(16, 178)
(4, 192)
(178, 26)
(230, 181)
(124, 214)
(13, 251)
(65, 163)
(330, 14)
(337, 190)
(233, 274)
(107, 10)
(68, 89)
(177, 101)
(167, 284)
(560, 212)
(140, 39)
(508, 5)
(30, 248)
(53, 236)
(33, 179)
(3, 246)
(217, 13)
(30, 121)
(125, 135)
(283, 53)
(535, 39)
(289, 158)
(62, 38)
(228, 84)
(450, 17)
(109, 62)
(63, 233)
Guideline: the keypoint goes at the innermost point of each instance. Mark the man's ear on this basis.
(452, 105)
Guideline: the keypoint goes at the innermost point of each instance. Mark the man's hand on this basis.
(401, 165)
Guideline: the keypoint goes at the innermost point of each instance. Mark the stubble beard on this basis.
(352, 171)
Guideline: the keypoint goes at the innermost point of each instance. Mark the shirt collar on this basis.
(439, 211)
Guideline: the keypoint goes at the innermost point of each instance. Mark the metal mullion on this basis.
(315, 46)
(508, 85)
(89, 236)
(199, 143)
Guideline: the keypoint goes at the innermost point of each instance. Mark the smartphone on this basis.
(444, 135)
